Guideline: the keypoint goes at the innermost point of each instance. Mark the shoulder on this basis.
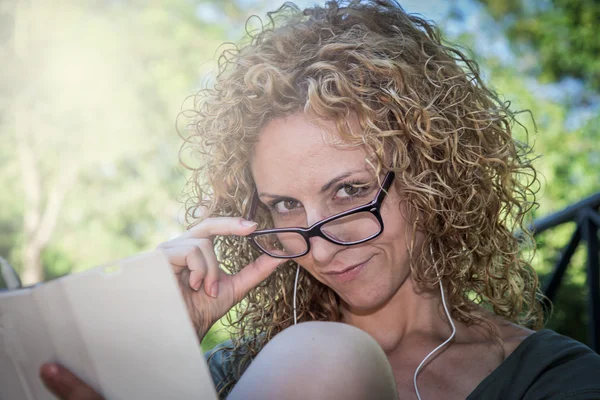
(550, 350)
(562, 366)
(545, 365)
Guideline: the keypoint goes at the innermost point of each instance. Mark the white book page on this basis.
(123, 328)
(63, 330)
(24, 343)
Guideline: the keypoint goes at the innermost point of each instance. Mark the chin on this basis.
(368, 299)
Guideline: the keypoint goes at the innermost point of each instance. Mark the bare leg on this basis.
(318, 360)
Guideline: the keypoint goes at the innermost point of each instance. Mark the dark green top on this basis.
(545, 365)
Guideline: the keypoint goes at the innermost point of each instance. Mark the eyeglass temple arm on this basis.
(253, 205)
(389, 178)
(384, 187)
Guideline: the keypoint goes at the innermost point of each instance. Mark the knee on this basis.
(322, 341)
(325, 360)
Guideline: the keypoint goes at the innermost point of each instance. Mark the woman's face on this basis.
(302, 179)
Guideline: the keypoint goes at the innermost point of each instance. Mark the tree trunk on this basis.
(43, 198)
(33, 271)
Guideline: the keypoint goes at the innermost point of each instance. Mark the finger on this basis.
(180, 241)
(65, 385)
(197, 264)
(189, 257)
(211, 280)
(221, 226)
(196, 278)
(253, 274)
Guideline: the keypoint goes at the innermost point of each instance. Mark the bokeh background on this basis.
(90, 91)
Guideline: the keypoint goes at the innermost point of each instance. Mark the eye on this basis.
(351, 191)
(285, 206)
(347, 190)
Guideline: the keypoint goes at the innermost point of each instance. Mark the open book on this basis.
(123, 328)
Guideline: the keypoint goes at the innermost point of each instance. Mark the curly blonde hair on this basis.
(419, 100)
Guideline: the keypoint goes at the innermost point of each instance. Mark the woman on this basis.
(388, 170)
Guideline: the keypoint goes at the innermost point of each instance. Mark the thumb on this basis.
(66, 386)
(253, 274)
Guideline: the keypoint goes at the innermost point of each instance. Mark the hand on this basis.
(208, 291)
(64, 385)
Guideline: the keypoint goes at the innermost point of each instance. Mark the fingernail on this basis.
(248, 223)
(50, 370)
(214, 289)
(196, 287)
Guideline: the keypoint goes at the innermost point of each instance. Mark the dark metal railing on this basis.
(585, 215)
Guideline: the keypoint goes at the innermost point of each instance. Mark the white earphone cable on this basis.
(296, 287)
(440, 346)
(427, 356)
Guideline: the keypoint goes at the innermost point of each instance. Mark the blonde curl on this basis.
(425, 114)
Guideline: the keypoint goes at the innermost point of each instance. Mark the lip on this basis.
(350, 272)
(347, 268)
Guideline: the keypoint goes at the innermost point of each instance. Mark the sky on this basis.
(432, 9)
(490, 41)
(471, 17)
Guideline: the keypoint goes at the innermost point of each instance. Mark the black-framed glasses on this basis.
(354, 226)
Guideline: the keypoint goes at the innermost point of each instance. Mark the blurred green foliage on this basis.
(99, 84)
(90, 90)
(554, 41)
(562, 33)
(569, 170)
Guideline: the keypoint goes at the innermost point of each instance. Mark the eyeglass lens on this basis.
(346, 230)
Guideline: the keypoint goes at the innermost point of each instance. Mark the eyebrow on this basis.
(324, 188)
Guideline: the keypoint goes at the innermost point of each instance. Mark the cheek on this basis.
(309, 267)
(396, 221)
(399, 234)
(306, 263)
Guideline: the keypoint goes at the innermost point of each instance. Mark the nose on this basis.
(314, 215)
(321, 250)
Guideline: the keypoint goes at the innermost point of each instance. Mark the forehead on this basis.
(295, 151)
